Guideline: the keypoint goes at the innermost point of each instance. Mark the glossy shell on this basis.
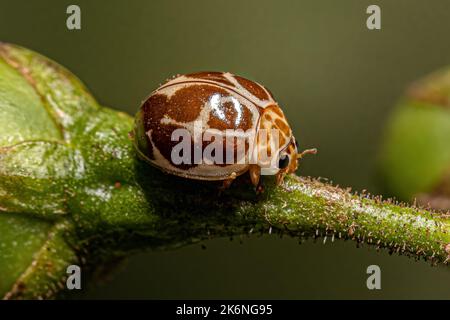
(219, 101)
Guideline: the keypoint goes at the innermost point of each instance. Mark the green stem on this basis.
(185, 212)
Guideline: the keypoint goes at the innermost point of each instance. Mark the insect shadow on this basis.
(172, 194)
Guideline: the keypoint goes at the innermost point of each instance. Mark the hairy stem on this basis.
(187, 211)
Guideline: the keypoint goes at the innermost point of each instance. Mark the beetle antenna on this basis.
(307, 151)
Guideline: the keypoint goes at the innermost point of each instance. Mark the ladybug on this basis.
(220, 109)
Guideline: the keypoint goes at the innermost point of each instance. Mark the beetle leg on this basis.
(227, 183)
(280, 177)
(255, 173)
(259, 188)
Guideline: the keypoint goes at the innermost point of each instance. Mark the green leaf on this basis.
(22, 113)
(38, 169)
(20, 238)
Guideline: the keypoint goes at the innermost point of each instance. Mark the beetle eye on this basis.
(283, 162)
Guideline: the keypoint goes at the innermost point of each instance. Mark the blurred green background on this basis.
(336, 81)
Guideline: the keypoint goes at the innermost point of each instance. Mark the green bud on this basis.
(414, 160)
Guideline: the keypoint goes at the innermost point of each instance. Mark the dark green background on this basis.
(336, 80)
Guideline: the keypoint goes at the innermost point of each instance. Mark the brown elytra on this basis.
(209, 126)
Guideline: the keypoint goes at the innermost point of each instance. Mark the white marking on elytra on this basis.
(171, 88)
(213, 105)
(159, 158)
(268, 93)
(228, 76)
(260, 103)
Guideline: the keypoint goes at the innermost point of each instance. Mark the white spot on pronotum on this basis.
(73, 21)
(74, 278)
(374, 280)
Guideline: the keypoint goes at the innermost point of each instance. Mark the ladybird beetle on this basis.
(219, 119)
